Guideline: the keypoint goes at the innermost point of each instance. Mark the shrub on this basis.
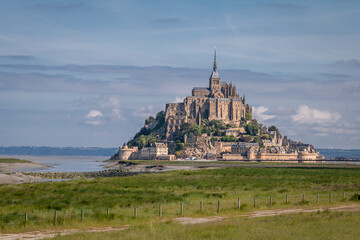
(355, 197)
(252, 129)
(229, 139)
(273, 128)
(248, 116)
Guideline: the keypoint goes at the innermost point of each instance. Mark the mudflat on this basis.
(9, 168)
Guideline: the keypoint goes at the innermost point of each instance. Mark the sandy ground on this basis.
(13, 176)
(53, 233)
(16, 178)
(16, 167)
(269, 213)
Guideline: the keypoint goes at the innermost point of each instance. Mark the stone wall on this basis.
(277, 156)
(233, 157)
(308, 156)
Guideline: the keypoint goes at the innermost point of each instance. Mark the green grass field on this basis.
(121, 194)
(13, 160)
(323, 225)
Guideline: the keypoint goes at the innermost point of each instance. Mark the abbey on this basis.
(219, 101)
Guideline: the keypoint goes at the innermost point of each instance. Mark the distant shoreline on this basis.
(328, 153)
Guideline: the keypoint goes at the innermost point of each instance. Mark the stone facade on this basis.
(156, 151)
(220, 101)
(251, 152)
(243, 148)
(125, 152)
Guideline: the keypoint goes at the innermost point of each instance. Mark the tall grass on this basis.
(122, 194)
(322, 225)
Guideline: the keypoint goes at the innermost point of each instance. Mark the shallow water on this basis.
(65, 163)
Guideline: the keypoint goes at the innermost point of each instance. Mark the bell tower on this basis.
(214, 80)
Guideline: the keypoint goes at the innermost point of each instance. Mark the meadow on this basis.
(112, 201)
(323, 225)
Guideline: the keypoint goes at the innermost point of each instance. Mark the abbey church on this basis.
(219, 101)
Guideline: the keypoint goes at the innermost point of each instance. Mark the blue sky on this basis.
(87, 73)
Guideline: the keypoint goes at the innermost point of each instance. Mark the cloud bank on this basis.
(308, 115)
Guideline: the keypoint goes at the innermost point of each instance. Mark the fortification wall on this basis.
(308, 156)
(276, 156)
(233, 157)
(124, 154)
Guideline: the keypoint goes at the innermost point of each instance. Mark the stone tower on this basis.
(220, 101)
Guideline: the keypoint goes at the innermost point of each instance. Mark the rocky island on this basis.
(215, 122)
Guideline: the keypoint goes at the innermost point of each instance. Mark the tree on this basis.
(248, 116)
(273, 128)
(217, 132)
(252, 129)
(149, 120)
(265, 136)
(160, 118)
(257, 140)
(229, 139)
(142, 142)
(179, 146)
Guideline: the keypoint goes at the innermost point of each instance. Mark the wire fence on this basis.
(191, 208)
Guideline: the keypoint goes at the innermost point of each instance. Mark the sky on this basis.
(88, 73)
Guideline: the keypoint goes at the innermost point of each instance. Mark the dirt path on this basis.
(269, 213)
(53, 233)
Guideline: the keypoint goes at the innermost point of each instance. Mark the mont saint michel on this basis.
(215, 122)
(121, 120)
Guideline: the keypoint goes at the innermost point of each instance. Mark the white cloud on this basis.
(259, 113)
(94, 114)
(93, 118)
(311, 115)
(178, 99)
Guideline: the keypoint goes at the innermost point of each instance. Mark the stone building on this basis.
(243, 147)
(219, 101)
(155, 151)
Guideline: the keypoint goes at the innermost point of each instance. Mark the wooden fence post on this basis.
(254, 201)
(239, 203)
(201, 206)
(181, 209)
(218, 208)
(26, 218)
(317, 199)
(82, 215)
(135, 212)
(55, 217)
(330, 198)
(108, 213)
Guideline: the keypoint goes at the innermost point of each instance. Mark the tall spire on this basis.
(215, 66)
